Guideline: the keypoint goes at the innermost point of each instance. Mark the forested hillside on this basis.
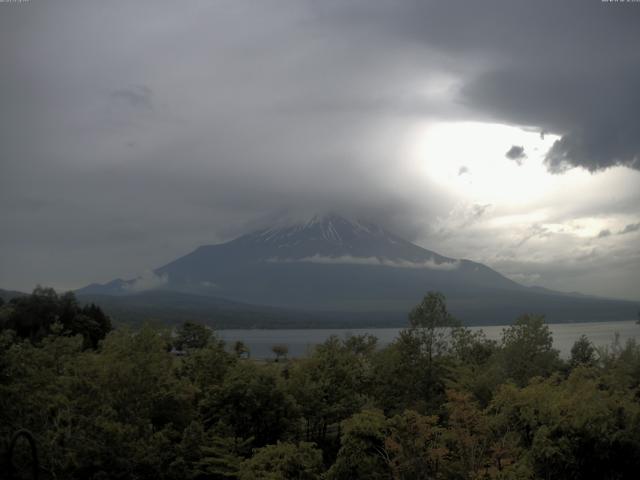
(440, 402)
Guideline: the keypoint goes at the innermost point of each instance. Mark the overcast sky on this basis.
(506, 132)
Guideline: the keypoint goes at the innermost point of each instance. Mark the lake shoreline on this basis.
(301, 341)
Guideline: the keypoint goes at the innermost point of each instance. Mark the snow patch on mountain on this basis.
(330, 228)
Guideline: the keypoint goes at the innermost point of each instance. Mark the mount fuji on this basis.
(339, 268)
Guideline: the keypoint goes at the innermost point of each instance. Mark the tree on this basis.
(328, 386)
(477, 366)
(527, 349)
(205, 454)
(33, 317)
(572, 428)
(467, 435)
(363, 345)
(431, 322)
(472, 348)
(362, 448)
(240, 349)
(412, 371)
(582, 352)
(400, 381)
(252, 403)
(206, 367)
(137, 380)
(415, 448)
(621, 364)
(99, 325)
(280, 350)
(283, 461)
(192, 335)
(406, 446)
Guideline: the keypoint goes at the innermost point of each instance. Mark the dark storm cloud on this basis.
(570, 68)
(604, 233)
(172, 125)
(132, 132)
(516, 153)
(633, 227)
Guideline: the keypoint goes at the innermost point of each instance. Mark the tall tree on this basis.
(191, 335)
(280, 350)
(328, 386)
(527, 349)
(582, 352)
(431, 322)
(412, 372)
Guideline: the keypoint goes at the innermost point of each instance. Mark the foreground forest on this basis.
(439, 402)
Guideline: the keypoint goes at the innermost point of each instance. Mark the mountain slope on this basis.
(7, 295)
(331, 264)
(329, 240)
(172, 307)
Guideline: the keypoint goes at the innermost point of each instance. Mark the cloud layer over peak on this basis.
(133, 132)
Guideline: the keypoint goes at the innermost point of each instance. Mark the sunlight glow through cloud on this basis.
(442, 149)
(519, 207)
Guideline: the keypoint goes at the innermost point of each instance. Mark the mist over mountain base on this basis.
(332, 272)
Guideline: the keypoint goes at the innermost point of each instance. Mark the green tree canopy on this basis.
(283, 461)
(252, 403)
(411, 373)
(280, 350)
(328, 386)
(191, 335)
(527, 349)
(33, 316)
(582, 352)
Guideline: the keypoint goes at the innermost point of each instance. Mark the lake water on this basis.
(302, 341)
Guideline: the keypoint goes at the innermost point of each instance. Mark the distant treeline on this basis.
(440, 402)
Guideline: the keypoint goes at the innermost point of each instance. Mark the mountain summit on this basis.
(332, 238)
(300, 250)
(331, 263)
